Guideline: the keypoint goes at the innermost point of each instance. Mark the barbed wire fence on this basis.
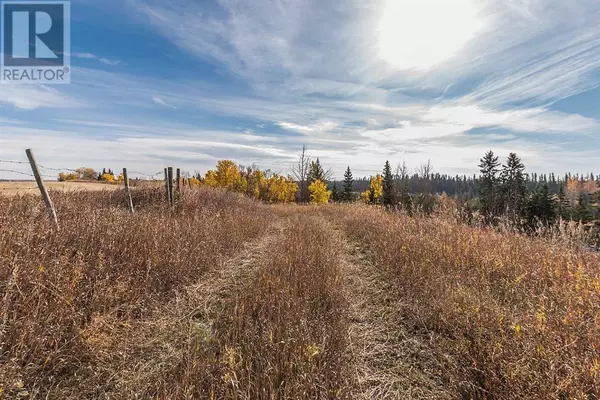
(38, 174)
(47, 175)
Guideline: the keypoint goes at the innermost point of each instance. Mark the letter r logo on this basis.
(34, 33)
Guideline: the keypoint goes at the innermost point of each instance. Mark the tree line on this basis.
(508, 191)
(500, 191)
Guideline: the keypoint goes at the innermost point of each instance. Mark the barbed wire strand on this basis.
(25, 173)
(147, 175)
(14, 162)
(39, 166)
(57, 169)
(64, 169)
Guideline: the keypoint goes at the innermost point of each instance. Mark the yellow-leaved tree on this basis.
(210, 179)
(87, 174)
(375, 190)
(319, 193)
(280, 189)
(255, 181)
(226, 176)
(576, 186)
(63, 176)
(110, 178)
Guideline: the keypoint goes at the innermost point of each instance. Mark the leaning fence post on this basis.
(42, 187)
(128, 190)
(167, 185)
(170, 171)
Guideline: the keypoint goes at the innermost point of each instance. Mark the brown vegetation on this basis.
(224, 297)
(30, 187)
(510, 316)
(105, 263)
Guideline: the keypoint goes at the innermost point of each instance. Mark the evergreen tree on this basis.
(582, 212)
(546, 205)
(563, 207)
(488, 186)
(335, 194)
(513, 188)
(540, 207)
(348, 185)
(316, 172)
(389, 197)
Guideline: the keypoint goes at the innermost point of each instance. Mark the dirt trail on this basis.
(389, 361)
(153, 349)
(386, 360)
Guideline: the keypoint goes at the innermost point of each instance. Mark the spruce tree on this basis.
(348, 185)
(316, 172)
(488, 186)
(581, 210)
(335, 194)
(513, 187)
(540, 207)
(388, 186)
(546, 205)
(563, 207)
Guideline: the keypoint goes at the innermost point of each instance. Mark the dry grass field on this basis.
(222, 297)
(30, 187)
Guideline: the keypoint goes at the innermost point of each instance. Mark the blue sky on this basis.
(186, 83)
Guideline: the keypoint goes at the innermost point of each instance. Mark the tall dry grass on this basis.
(515, 317)
(103, 262)
(283, 334)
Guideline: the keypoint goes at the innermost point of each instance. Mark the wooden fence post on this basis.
(42, 187)
(167, 185)
(127, 190)
(171, 199)
(178, 181)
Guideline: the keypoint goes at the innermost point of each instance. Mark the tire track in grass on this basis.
(284, 335)
(151, 358)
(389, 361)
(269, 323)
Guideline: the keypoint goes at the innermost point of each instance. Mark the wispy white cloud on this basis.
(320, 127)
(90, 56)
(158, 100)
(519, 120)
(29, 97)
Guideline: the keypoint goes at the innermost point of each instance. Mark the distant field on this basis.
(12, 188)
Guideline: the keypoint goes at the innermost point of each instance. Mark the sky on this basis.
(186, 83)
